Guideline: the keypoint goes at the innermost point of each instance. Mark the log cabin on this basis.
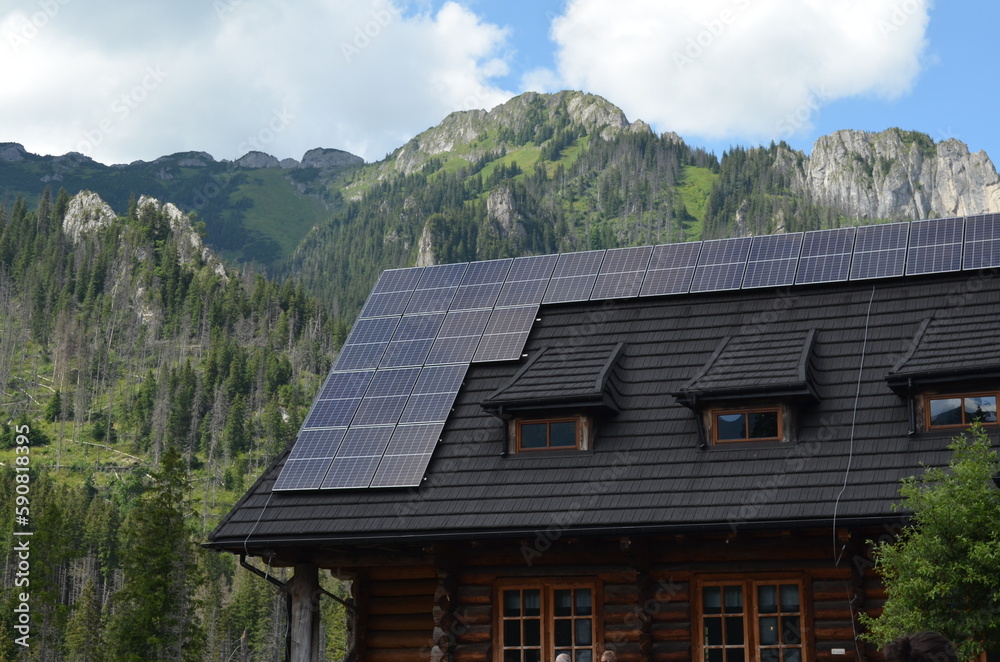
(675, 452)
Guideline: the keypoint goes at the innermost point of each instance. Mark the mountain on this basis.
(255, 208)
(568, 171)
(539, 173)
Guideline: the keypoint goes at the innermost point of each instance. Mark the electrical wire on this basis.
(837, 556)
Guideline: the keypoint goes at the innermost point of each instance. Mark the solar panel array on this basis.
(378, 417)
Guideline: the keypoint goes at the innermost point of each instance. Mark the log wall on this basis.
(442, 611)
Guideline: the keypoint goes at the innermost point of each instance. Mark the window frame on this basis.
(713, 417)
(928, 397)
(581, 433)
(751, 611)
(546, 589)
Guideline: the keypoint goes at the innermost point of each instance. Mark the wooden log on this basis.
(400, 588)
(472, 653)
(831, 610)
(476, 634)
(622, 633)
(474, 595)
(618, 594)
(420, 604)
(421, 622)
(399, 639)
(833, 630)
(671, 651)
(304, 630)
(671, 612)
(398, 655)
(672, 632)
(832, 590)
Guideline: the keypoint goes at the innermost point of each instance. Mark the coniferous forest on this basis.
(155, 388)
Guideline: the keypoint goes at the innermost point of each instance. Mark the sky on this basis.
(121, 82)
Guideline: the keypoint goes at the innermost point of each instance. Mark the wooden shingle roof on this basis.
(645, 471)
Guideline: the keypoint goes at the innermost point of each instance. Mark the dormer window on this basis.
(751, 388)
(758, 424)
(960, 410)
(557, 433)
(556, 400)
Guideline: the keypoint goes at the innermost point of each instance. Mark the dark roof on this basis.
(960, 344)
(645, 471)
(578, 375)
(757, 363)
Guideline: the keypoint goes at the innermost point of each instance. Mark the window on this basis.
(747, 425)
(745, 620)
(538, 622)
(547, 434)
(961, 409)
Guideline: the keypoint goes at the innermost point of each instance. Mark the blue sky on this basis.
(121, 82)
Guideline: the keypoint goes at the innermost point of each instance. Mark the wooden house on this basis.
(673, 452)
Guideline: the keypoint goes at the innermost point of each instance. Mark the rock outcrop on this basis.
(253, 160)
(87, 214)
(189, 243)
(329, 159)
(897, 174)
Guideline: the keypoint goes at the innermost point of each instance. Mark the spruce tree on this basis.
(155, 612)
(83, 632)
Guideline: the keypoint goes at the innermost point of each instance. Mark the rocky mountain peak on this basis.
(12, 152)
(86, 214)
(898, 174)
(189, 243)
(254, 159)
(325, 158)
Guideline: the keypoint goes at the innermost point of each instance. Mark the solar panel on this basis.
(366, 343)
(386, 397)
(412, 340)
(436, 288)
(573, 277)
(621, 273)
(526, 281)
(826, 256)
(772, 260)
(982, 242)
(481, 284)
(879, 251)
(671, 267)
(434, 394)
(935, 246)
(506, 334)
(317, 444)
(391, 292)
(338, 400)
(407, 456)
(459, 336)
(358, 457)
(302, 475)
(309, 460)
(721, 264)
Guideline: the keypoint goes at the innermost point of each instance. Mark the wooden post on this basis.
(304, 589)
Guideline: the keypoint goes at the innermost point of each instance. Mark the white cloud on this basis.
(232, 75)
(739, 68)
